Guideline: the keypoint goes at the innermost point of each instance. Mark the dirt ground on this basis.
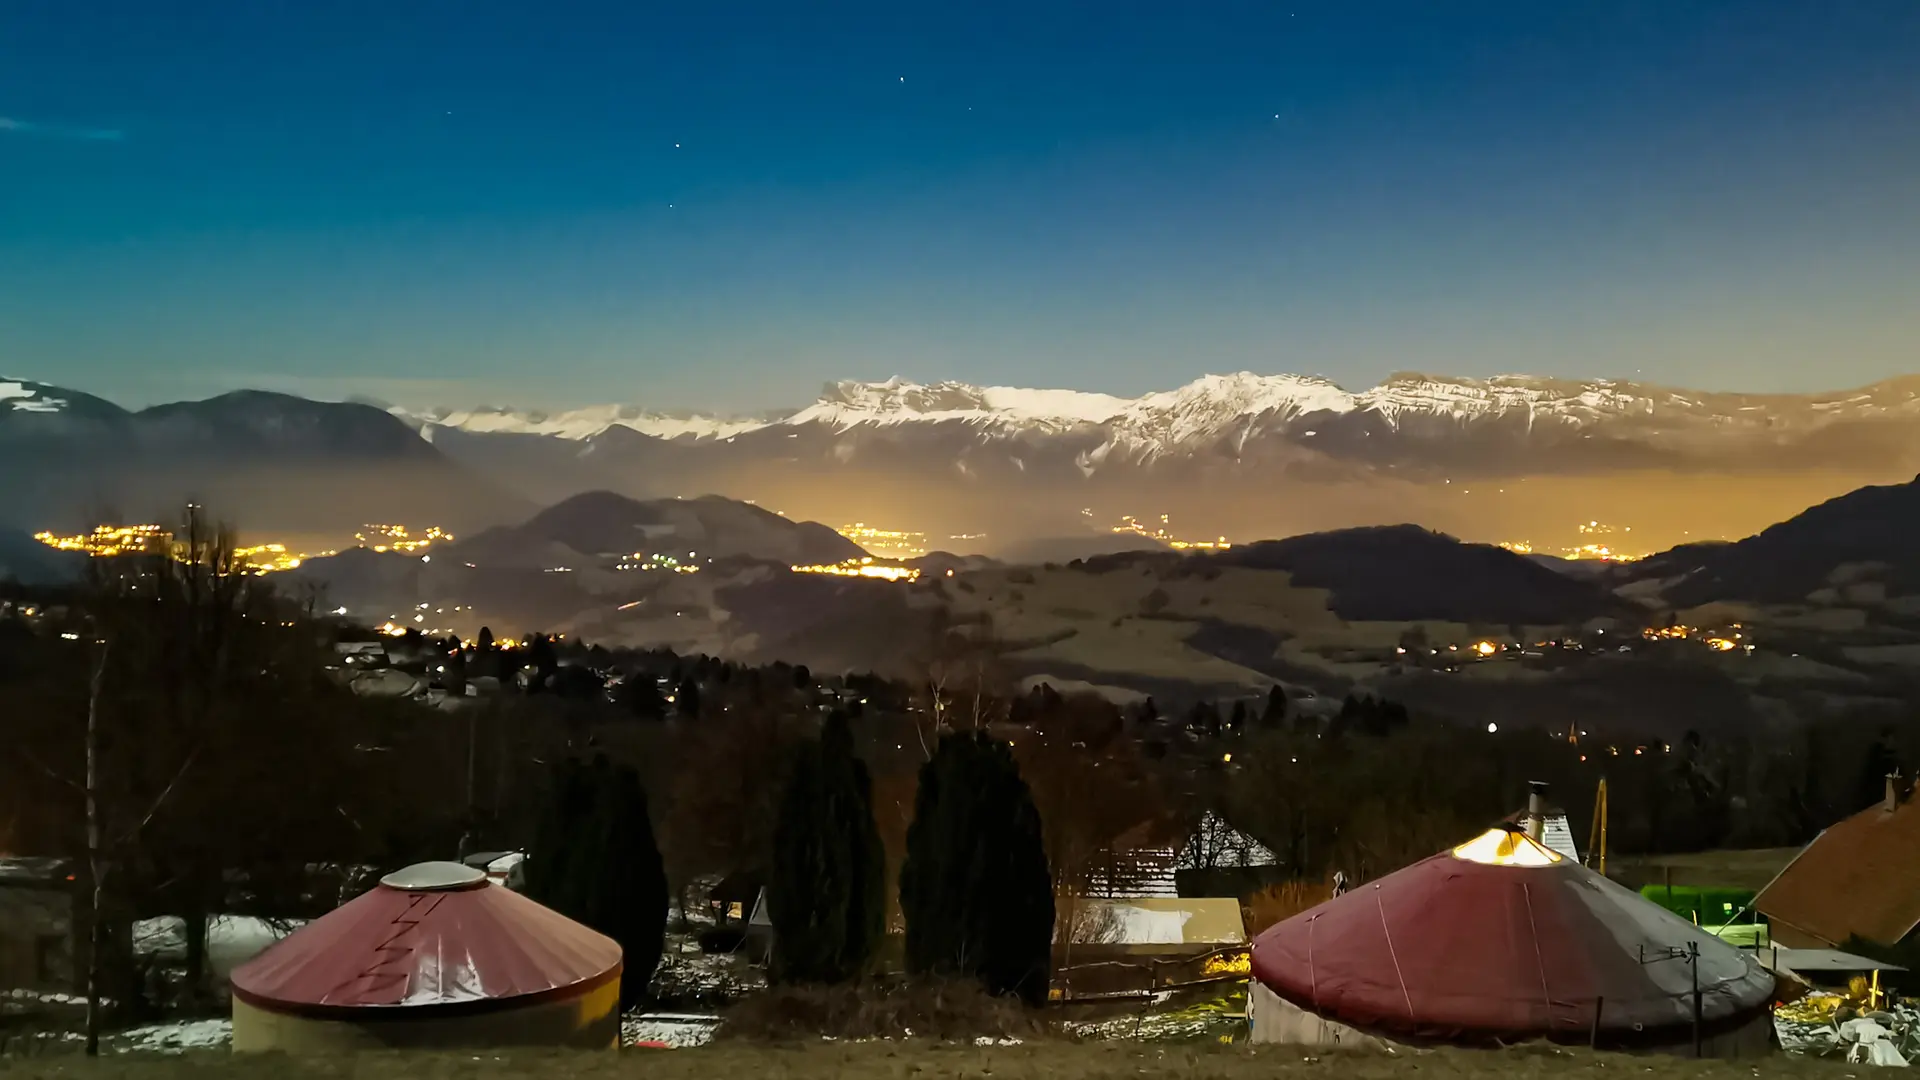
(917, 1061)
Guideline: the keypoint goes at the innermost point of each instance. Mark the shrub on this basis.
(1282, 901)
(946, 1009)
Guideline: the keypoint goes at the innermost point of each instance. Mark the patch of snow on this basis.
(578, 424)
(18, 396)
(1141, 926)
(44, 997)
(676, 1031)
(232, 940)
(174, 1038)
(896, 401)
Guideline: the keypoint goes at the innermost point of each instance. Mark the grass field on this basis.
(923, 1061)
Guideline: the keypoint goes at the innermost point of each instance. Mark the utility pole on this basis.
(1693, 964)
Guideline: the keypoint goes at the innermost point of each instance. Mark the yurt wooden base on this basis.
(587, 1022)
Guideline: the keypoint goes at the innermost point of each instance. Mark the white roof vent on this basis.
(434, 876)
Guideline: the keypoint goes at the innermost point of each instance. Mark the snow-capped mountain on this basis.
(1233, 449)
(1229, 411)
(18, 395)
(576, 423)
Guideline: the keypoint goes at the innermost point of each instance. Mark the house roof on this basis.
(1556, 833)
(1861, 876)
(1821, 961)
(1157, 920)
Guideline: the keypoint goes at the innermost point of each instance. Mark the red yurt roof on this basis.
(433, 936)
(1502, 939)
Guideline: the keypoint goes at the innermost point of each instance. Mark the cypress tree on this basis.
(827, 893)
(686, 698)
(595, 861)
(976, 889)
(1275, 713)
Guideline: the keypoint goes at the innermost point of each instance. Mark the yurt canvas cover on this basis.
(1503, 940)
(433, 955)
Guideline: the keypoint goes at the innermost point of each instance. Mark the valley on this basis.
(1560, 566)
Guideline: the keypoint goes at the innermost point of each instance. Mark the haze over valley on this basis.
(1595, 468)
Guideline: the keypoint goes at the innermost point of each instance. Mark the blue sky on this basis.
(723, 205)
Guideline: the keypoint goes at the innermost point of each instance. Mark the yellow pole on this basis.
(1605, 809)
(1597, 835)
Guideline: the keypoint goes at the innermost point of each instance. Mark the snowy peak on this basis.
(1215, 404)
(19, 395)
(845, 404)
(1213, 407)
(576, 423)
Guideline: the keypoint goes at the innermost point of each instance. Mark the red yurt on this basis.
(434, 955)
(1502, 940)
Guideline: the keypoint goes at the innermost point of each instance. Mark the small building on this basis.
(1220, 860)
(1827, 968)
(760, 934)
(1858, 878)
(1155, 925)
(432, 956)
(1555, 833)
(37, 952)
(733, 898)
(1134, 946)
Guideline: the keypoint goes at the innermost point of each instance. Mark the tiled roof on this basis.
(1861, 876)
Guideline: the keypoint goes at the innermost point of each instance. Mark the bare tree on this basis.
(962, 685)
(96, 868)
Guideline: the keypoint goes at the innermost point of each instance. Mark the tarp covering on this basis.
(1459, 948)
(436, 948)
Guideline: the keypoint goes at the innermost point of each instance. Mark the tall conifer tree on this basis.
(975, 888)
(826, 895)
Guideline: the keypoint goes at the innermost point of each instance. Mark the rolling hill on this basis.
(271, 463)
(1863, 538)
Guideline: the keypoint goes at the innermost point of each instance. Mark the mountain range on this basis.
(1244, 455)
(1410, 420)
(1513, 458)
(276, 462)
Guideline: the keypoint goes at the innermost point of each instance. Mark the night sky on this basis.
(723, 205)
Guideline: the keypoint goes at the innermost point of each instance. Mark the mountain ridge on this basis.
(1198, 409)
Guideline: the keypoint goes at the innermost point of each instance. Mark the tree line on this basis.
(200, 697)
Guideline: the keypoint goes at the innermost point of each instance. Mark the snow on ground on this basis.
(232, 940)
(677, 1031)
(1224, 1018)
(174, 1038)
(42, 997)
(687, 974)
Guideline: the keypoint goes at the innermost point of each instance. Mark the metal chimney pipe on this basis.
(1537, 810)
